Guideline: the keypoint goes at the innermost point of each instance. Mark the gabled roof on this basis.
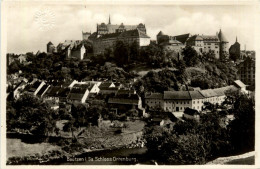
(182, 38)
(208, 93)
(50, 43)
(75, 96)
(44, 87)
(196, 95)
(153, 96)
(220, 91)
(133, 33)
(105, 84)
(124, 99)
(177, 95)
(53, 91)
(160, 33)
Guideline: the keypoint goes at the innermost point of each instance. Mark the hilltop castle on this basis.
(217, 44)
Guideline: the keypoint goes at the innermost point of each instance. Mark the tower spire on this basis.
(109, 20)
(236, 38)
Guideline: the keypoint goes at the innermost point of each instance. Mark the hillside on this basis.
(242, 159)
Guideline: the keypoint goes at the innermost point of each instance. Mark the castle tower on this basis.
(223, 44)
(234, 51)
(50, 47)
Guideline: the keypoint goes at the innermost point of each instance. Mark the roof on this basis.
(153, 96)
(64, 92)
(195, 38)
(124, 99)
(196, 95)
(129, 33)
(221, 37)
(53, 91)
(105, 84)
(50, 43)
(75, 96)
(209, 38)
(182, 38)
(208, 93)
(125, 91)
(177, 95)
(160, 33)
(44, 87)
(220, 91)
(239, 84)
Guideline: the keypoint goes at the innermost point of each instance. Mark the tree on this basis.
(190, 56)
(242, 128)
(134, 51)
(121, 53)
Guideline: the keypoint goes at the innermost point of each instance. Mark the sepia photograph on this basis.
(128, 83)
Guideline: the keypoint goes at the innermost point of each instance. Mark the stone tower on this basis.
(50, 47)
(223, 44)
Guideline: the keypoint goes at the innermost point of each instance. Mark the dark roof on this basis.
(75, 96)
(196, 95)
(44, 87)
(221, 37)
(182, 38)
(125, 91)
(64, 92)
(160, 33)
(53, 91)
(50, 43)
(124, 99)
(109, 88)
(176, 95)
(129, 33)
(105, 84)
(153, 96)
(194, 38)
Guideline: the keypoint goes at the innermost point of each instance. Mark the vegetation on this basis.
(196, 142)
(31, 114)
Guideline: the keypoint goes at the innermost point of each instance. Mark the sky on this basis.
(31, 26)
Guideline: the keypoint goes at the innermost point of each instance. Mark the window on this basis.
(176, 102)
(181, 108)
(193, 102)
(180, 102)
(198, 102)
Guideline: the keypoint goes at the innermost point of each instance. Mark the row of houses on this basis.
(178, 101)
(61, 94)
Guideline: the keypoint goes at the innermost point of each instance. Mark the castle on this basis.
(217, 44)
(109, 28)
(106, 36)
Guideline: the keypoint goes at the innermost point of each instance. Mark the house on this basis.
(125, 102)
(191, 114)
(154, 100)
(246, 71)
(18, 89)
(240, 85)
(197, 100)
(107, 88)
(43, 90)
(52, 93)
(35, 87)
(79, 93)
(176, 101)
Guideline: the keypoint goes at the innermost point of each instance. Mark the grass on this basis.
(15, 147)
